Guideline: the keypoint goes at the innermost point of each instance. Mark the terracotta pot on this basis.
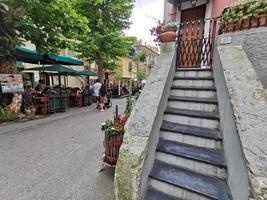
(168, 36)
(245, 23)
(254, 22)
(263, 20)
(230, 27)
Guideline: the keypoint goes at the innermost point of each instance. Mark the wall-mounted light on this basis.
(193, 3)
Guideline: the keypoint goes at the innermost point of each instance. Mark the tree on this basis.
(141, 75)
(142, 56)
(106, 42)
(49, 24)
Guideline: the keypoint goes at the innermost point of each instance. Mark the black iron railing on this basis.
(195, 42)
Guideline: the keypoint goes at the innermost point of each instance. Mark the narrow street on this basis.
(56, 157)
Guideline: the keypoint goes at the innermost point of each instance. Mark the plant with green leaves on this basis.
(142, 56)
(5, 117)
(129, 106)
(243, 10)
(50, 25)
(106, 42)
(141, 75)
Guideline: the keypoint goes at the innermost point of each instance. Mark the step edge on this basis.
(216, 138)
(221, 166)
(214, 135)
(191, 171)
(213, 117)
(182, 187)
(193, 99)
(193, 69)
(194, 88)
(193, 78)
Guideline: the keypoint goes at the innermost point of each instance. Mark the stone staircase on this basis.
(189, 162)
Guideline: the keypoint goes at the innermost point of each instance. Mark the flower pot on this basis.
(168, 36)
(112, 146)
(245, 23)
(230, 27)
(263, 20)
(254, 22)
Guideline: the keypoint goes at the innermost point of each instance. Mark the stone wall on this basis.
(137, 152)
(243, 110)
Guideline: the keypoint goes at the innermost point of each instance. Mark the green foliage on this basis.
(137, 95)
(129, 106)
(50, 25)
(141, 75)
(243, 10)
(5, 117)
(170, 26)
(115, 126)
(142, 56)
(106, 42)
(117, 74)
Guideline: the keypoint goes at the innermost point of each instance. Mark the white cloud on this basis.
(143, 18)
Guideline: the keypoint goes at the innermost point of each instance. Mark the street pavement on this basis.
(56, 157)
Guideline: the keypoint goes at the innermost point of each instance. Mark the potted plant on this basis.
(244, 15)
(114, 131)
(164, 32)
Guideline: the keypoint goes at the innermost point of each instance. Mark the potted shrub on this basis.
(169, 33)
(245, 15)
(164, 33)
(114, 131)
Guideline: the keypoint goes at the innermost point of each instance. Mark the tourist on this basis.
(103, 97)
(96, 87)
(40, 87)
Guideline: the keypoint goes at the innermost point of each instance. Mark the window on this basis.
(130, 67)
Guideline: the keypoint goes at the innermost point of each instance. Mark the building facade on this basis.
(151, 59)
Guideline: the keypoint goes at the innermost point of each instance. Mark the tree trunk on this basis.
(100, 65)
(12, 102)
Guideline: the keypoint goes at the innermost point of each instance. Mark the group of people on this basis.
(102, 95)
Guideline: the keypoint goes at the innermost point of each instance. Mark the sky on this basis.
(144, 17)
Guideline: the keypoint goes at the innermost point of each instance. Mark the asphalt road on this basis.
(56, 158)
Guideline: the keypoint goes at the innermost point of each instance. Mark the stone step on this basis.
(193, 81)
(153, 194)
(203, 137)
(192, 117)
(198, 159)
(193, 93)
(193, 73)
(186, 184)
(193, 103)
(172, 190)
(193, 69)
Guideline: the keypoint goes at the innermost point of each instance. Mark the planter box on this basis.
(57, 104)
(247, 23)
(112, 146)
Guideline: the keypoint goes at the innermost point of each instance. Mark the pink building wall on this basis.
(219, 5)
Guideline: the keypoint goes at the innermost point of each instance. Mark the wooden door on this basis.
(191, 35)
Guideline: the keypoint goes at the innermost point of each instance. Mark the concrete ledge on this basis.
(243, 110)
(142, 130)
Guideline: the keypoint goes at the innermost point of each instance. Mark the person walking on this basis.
(103, 97)
(96, 88)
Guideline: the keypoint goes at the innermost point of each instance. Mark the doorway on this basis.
(191, 34)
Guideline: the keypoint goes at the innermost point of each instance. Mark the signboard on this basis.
(226, 40)
(11, 83)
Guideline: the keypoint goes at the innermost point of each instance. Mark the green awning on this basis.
(55, 68)
(19, 65)
(64, 60)
(31, 56)
(86, 73)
